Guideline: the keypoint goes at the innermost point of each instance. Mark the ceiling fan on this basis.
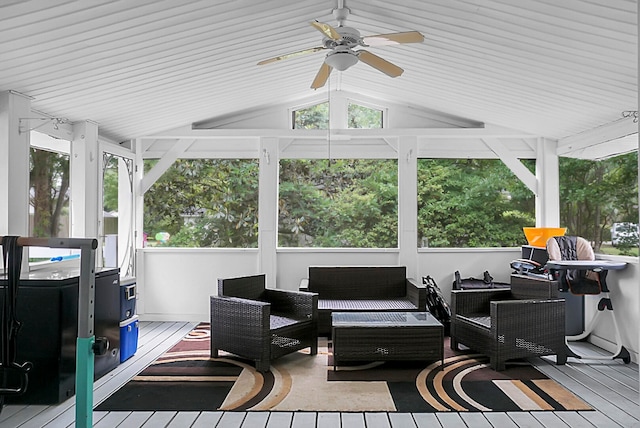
(341, 42)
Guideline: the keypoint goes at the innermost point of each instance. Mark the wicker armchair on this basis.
(262, 324)
(527, 320)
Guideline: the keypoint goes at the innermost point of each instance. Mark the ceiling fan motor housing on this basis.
(350, 36)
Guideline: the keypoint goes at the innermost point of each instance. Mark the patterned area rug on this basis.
(185, 378)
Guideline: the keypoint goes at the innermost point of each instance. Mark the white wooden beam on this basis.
(164, 163)
(513, 163)
(548, 176)
(56, 127)
(84, 166)
(14, 165)
(489, 131)
(581, 142)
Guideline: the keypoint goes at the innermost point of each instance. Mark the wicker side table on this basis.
(384, 336)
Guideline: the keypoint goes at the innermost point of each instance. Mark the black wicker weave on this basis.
(384, 336)
(526, 321)
(362, 288)
(262, 324)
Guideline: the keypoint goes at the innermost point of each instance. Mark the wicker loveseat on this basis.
(260, 323)
(526, 321)
(362, 288)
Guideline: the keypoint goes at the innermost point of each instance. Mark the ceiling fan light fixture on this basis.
(341, 60)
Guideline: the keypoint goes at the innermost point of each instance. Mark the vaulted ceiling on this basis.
(557, 69)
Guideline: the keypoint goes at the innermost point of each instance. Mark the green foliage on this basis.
(347, 203)
(110, 185)
(49, 183)
(314, 117)
(353, 203)
(317, 117)
(364, 117)
(205, 203)
(471, 203)
(596, 194)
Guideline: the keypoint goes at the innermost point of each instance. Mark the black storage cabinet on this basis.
(47, 307)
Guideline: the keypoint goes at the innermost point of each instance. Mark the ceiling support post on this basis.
(408, 204)
(548, 177)
(14, 164)
(84, 167)
(268, 209)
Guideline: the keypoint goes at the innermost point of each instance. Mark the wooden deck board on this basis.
(500, 419)
(380, 420)
(136, 419)
(304, 420)
(207, 420)
(401, 420)
(609, 386)
(473, 419)
(425, 420)
(588, 390)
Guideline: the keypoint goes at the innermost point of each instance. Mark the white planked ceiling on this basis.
(547, 67)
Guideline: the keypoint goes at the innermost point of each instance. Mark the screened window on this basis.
(203, 203)
(599, 201)
(49, 193)
(472, 203)
(317, 117)
(314, 117)
(340, 203)
(364, 117)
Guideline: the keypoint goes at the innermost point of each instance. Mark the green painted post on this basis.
(84, 381)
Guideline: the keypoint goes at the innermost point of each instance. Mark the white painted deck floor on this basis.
(611, 387)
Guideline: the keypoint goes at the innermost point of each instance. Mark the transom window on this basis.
(317, 117)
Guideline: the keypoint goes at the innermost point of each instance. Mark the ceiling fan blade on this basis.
(380, 64)
(322, 76)
(393, 38)
(326, 29)
(291, 55)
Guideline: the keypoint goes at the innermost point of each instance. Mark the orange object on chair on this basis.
(538, 236)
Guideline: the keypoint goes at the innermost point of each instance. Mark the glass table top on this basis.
(383, 319)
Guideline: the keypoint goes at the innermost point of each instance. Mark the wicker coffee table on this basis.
(383, 336)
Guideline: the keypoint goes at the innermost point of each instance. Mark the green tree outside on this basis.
(344, 203)
(596, 194)
(471, 203)
(204, 203)
(49, 182)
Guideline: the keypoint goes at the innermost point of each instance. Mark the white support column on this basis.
(138, 195)
(548, 176)
(408, 204)
(14, 163)
(268, 209)
(138, 231)
(85, 165)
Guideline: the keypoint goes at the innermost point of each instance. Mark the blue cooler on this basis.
(128, 338)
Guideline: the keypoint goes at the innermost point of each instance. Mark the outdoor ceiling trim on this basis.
(489, 132)
(513, 163)
(611, 131)
(164, 163)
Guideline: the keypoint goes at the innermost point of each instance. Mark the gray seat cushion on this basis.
(479, 320)
(365, 304)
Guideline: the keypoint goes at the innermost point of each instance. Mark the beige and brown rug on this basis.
(186, 378)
